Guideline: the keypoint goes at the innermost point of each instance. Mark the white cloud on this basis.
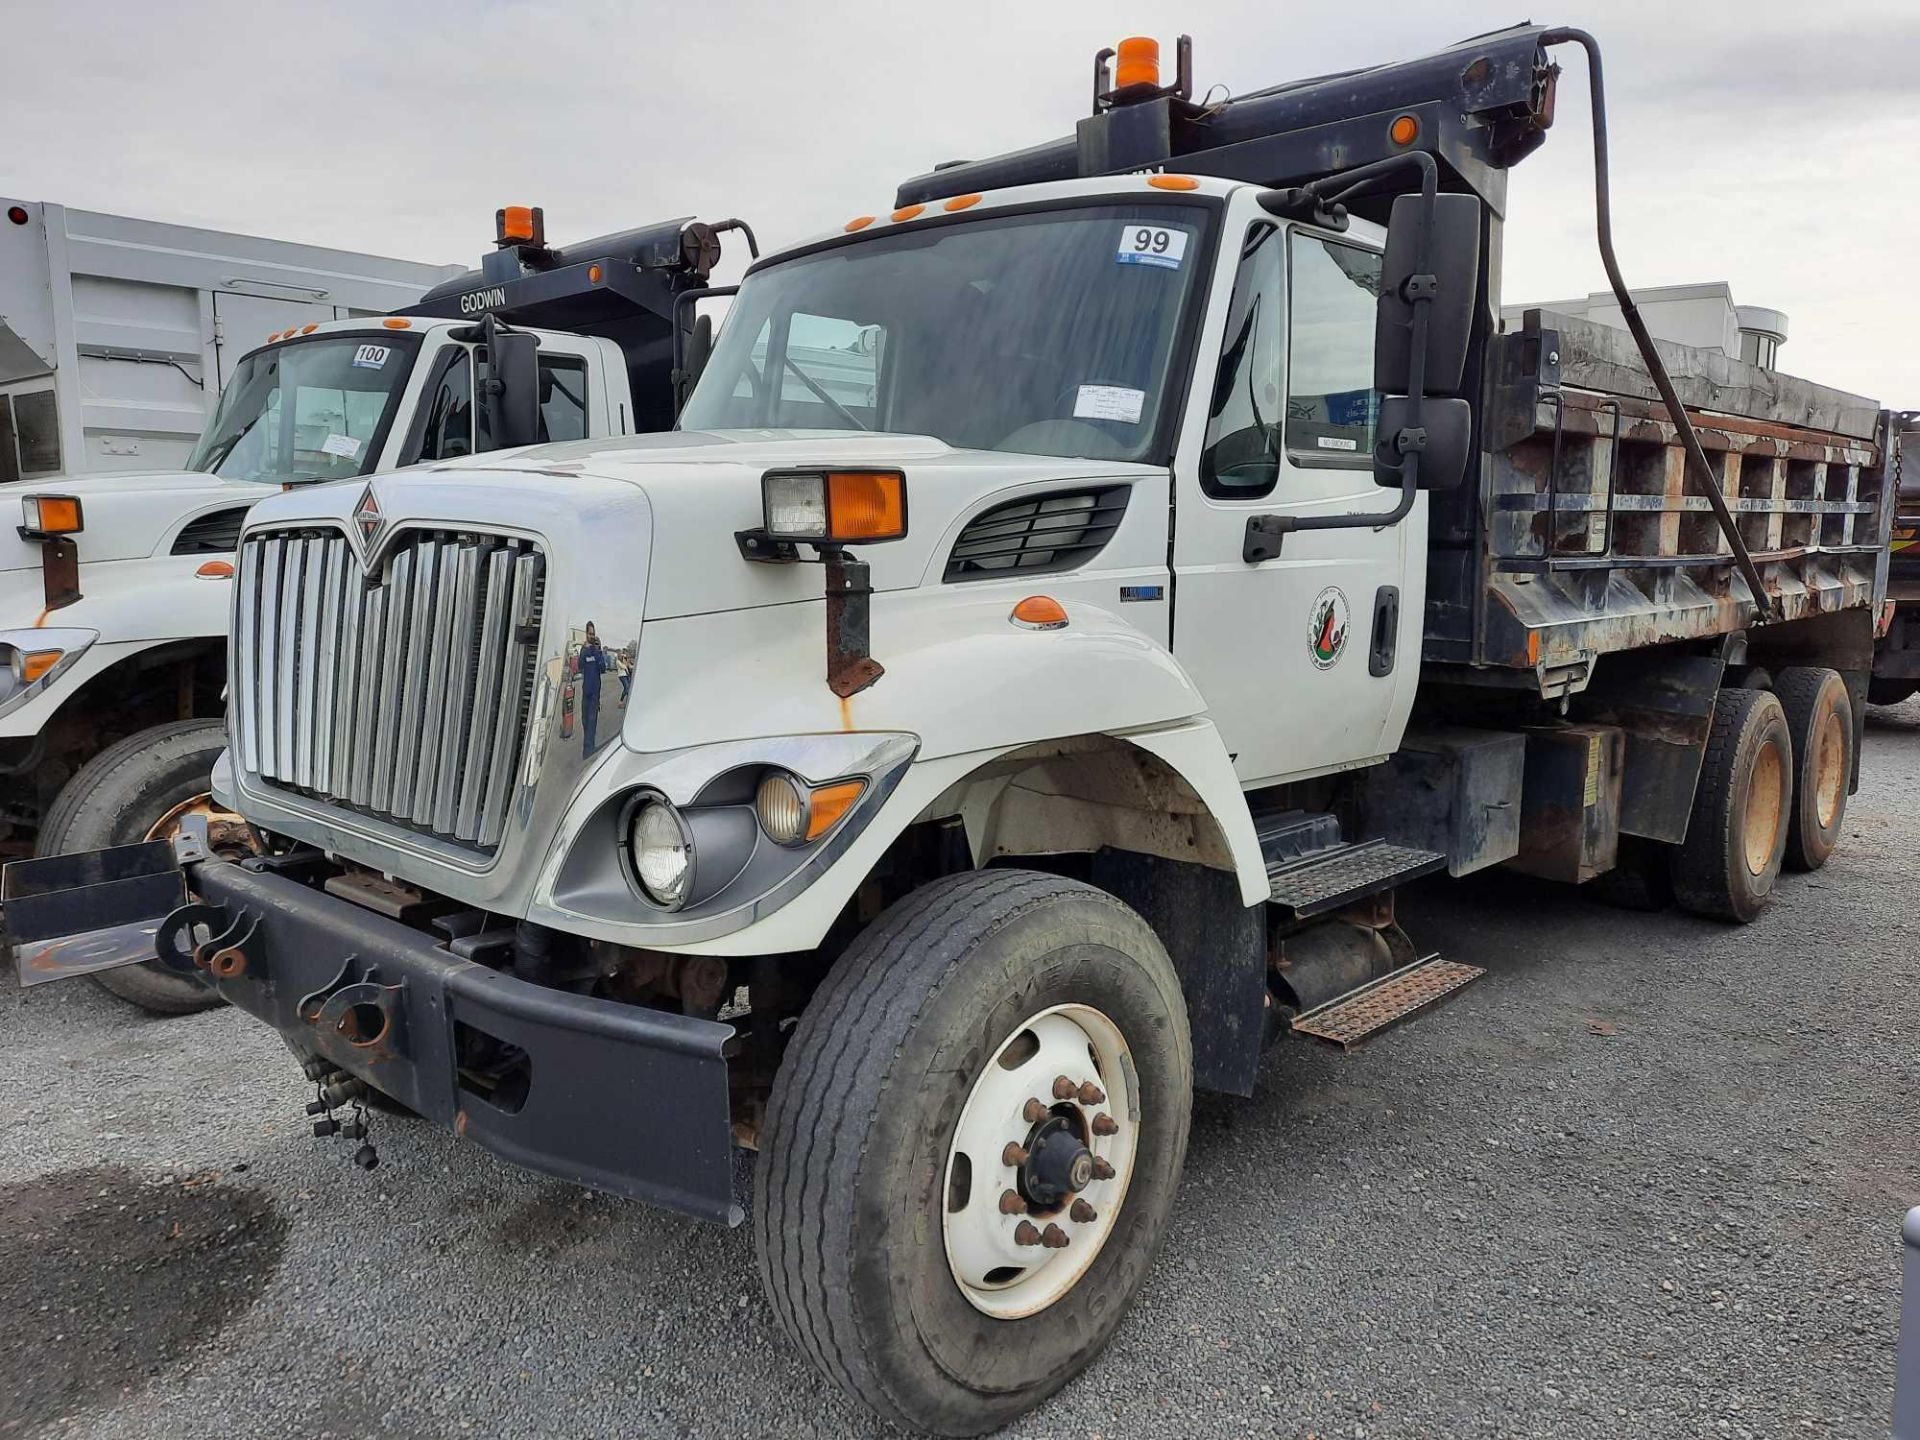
(1749, 145)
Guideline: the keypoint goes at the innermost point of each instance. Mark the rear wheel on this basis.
(1820, 723)
(137, 790)
(972, 1147)
(1737, 833)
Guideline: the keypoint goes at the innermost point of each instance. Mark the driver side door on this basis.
(1307, 660)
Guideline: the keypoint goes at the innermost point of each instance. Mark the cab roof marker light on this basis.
(394, 322)
(961, 202)
(859, 222)
(907, 212)
(1173, 182)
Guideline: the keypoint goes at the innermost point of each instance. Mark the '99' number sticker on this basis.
(1160, 245)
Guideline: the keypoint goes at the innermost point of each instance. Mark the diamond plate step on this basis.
(1348, 1019)
(1334, 878)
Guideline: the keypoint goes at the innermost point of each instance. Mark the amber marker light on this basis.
(1173, 182)
(907, 212)
(1404, 130)
(1040, 612)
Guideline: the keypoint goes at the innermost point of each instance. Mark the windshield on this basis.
(1047, 333)
(308, 410)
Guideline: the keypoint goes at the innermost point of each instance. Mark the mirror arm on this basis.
(1266, 533)
(1697, 463)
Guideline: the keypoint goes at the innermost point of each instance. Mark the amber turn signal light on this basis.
(835, 507)
(44, 515)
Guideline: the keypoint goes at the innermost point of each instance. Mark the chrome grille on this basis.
(403, 695)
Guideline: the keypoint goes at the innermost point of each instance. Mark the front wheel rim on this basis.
(1040, 1160)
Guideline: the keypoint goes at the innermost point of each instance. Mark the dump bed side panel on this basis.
(1586, 535)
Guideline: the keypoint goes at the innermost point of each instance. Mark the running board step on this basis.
(1348, 1019)
(1340, 876)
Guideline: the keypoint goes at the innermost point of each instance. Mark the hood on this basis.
(702, 487)
(126, 516)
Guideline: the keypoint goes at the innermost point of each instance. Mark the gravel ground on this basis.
(1645, 1179)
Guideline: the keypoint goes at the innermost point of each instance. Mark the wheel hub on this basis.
(1059, 1165)
(1039, 1161)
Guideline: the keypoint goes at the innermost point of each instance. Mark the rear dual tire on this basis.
(864, 1223)
(1737, 834)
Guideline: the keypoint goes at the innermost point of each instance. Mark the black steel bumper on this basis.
(619, 1097)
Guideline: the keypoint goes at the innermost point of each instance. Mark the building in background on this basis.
(117, 334)
(1702, 316)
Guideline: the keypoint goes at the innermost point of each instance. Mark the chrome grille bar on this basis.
(405, 694)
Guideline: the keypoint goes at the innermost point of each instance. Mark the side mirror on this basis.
(1453, 259)
(511, 401)
(1448, 424)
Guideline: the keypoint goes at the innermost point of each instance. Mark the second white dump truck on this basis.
(116, 590)
(1077, 594)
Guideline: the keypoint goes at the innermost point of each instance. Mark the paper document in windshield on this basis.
(1109, 402)
(344, 446)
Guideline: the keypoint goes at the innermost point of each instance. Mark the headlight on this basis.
(795, 813)
(662, 854)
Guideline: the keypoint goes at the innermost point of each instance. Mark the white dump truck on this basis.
(1077, 594)
(115, 590)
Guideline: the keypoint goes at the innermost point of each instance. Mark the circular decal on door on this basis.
(1327, 637)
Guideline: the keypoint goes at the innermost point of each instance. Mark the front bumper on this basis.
(622, 1098)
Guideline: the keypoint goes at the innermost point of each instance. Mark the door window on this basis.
(563, 398)
(449, 429)
(1331, 405)
(1242, 456)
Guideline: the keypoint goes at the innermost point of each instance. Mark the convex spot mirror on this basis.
(1453, 259)
(1443, 462)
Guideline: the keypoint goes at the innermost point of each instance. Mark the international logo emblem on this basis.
(1329, 620)
(367, 519)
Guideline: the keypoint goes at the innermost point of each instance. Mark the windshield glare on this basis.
(1047, 333)
(307, 410)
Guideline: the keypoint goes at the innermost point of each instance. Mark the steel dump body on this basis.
(1586, 534)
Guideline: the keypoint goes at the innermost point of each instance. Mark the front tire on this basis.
(927, 1041)
(117, 798)
(1737, 833)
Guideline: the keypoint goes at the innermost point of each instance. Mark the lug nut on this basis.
(1027, 1233)
(1034, 1112)
(1015, 1154)
(1105, 1125)
(1092, 1094)
(1102, 1169)
(1011, 1203)
(1054, 1238)
(1083, 1213)
(1063, 1088)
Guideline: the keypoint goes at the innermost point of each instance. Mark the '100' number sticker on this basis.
(1160, 245)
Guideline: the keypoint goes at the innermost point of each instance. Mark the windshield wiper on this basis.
(838, 409)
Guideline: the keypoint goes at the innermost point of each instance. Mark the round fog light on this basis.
(782, 808)
(662, 854)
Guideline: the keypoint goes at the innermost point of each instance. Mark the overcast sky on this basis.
(1769, 144)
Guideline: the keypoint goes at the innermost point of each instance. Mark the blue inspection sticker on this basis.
(1159, 245)
(1142, 592)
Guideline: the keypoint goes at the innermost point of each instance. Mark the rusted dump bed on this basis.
(1590, 537)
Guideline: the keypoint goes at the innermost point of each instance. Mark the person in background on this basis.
(590, 664)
